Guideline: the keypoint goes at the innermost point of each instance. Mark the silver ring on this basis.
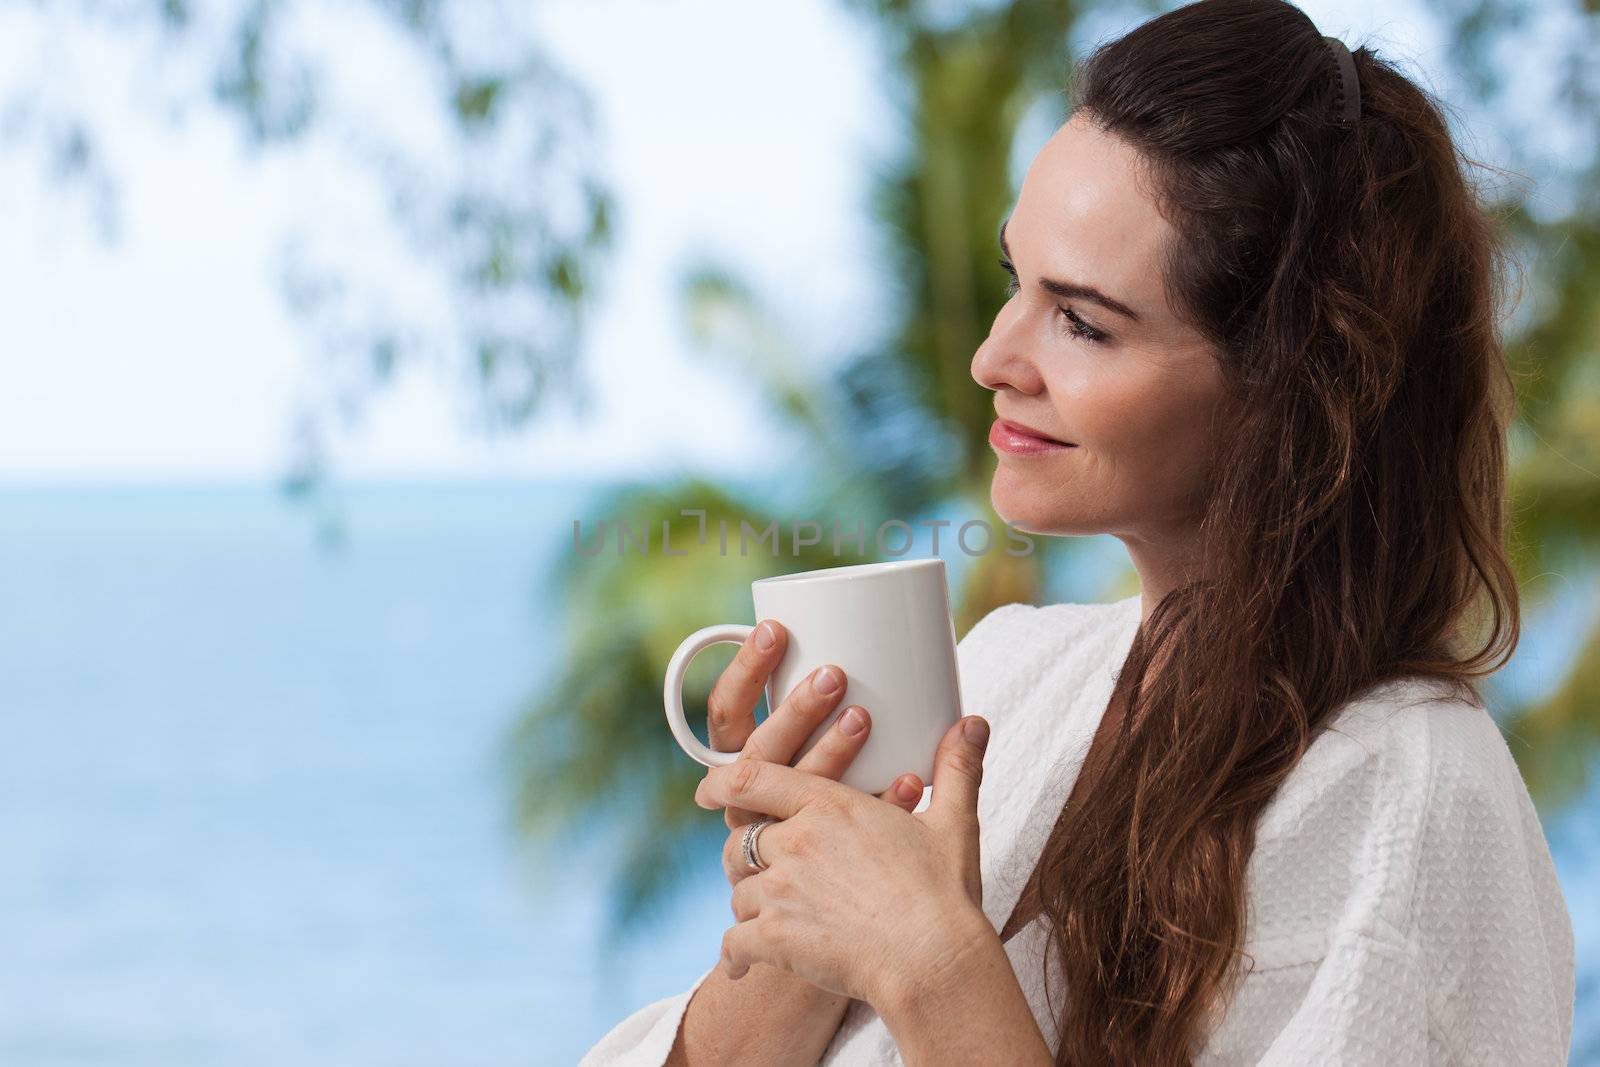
(752, 855)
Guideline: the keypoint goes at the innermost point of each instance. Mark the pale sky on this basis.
(736, 127)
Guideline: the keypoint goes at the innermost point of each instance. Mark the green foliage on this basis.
(514, 271)
(278, 101)
(476, 97)
(1555, 490)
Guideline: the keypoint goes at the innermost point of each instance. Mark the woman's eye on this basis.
(1078, 328)
(1075, 325)
(1011, 286)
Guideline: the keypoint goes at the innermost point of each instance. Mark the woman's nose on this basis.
(1003, 360)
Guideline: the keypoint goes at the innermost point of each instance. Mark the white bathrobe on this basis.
(1402, 903)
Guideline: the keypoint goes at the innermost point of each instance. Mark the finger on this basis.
(838, 745)
(733, 861)
(745, 944)
(770, 788)
(747, 898)
(782, 733)
(904, 792)
(958, 771)
(778, 738)
(731, 708)
(733, 864)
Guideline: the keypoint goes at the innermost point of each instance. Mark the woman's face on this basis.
(1128, 385)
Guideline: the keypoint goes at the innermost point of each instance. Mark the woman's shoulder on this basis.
(1415, 737)
(1409, 785)
(1409, 830)
(1400, 878)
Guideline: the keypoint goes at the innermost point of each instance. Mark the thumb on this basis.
(958, 771)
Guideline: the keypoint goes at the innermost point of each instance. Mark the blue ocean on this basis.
(251, 807)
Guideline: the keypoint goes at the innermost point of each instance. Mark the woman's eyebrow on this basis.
(1072, 290)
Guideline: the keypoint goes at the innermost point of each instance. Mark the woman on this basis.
(1258, 812)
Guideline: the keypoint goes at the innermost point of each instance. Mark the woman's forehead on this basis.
(1084, 214)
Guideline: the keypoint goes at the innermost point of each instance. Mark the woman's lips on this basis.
(1009, 437)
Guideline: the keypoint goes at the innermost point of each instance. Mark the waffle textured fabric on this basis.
(1402, 906)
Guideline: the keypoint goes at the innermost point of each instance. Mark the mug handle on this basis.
(672, 691)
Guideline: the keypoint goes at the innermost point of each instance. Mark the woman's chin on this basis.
(1019, 515)
(1016, 499)
(1019, 509)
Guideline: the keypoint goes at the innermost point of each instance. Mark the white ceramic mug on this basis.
(887, 626)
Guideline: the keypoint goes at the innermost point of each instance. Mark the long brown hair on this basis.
(1352, 530)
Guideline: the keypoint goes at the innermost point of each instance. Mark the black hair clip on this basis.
(1349, 85)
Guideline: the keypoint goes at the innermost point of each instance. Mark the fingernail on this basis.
(765, 638)
(852, 722)
(906, 790)
(827, 681)
(976, 730)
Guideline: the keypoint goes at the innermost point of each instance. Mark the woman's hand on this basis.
(858, 894)
(772, 1016)
(732, 727)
